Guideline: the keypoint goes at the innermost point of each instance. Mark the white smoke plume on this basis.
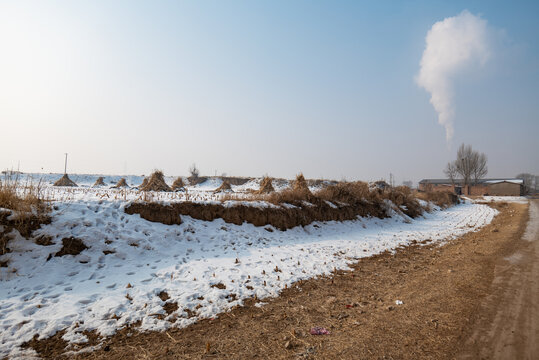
(452, 45)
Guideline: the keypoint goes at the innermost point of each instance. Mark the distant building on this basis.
(494, 187)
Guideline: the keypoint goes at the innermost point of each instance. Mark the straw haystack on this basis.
(178, 184)
(266, 186)
(225, 187)
(144, 183)
(64, 181)
(156, 182)
(120, 184)
(99, 181)
(300, 184)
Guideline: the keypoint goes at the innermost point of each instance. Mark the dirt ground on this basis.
(507, 325)
(449, 294)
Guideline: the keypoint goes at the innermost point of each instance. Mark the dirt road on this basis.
(507, 326)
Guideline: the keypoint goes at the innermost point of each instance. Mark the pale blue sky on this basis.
(252, 88)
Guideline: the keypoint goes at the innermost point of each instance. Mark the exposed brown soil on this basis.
(44, 240)
(71, 246)
(64, 181)
(165, 214)
(25, 224)
(281, 218)
(441, 288)
(507, 323)
(163, 295)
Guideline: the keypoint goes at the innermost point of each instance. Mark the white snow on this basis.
(94, 290)
(509, 199)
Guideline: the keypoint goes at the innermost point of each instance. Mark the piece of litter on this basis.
(317, 330)
(399, 302)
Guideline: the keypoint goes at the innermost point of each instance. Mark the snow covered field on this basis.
(85, 190)
(509, 199)
(204, 267)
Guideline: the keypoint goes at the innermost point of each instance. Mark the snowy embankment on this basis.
(204, 267)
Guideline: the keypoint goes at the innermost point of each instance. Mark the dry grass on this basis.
(266, 186)
(443, 199)
(346, 192)
(26, 210)
(20, 197)
(404, 199)
(300, 184)
(355, 194)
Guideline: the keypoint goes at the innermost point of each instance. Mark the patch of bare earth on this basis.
(71, 246)
(441, 289)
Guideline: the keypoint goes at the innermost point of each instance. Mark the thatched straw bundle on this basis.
(156, 182)
(64, 181)
(178, 184)
(266, 186)
(99, 181)
(144, 183)
(225, 187)
(120, 184)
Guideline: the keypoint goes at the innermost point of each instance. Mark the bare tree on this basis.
(193, 170)
(408, 183)
(479, 168)
(470, 165)
(451, 171)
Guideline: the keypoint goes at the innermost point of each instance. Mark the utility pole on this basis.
(65, 166)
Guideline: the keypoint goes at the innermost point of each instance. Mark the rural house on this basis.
(494, 187)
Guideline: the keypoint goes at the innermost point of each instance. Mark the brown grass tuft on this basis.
(346, 192)
(404, 199)
(156, 182)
